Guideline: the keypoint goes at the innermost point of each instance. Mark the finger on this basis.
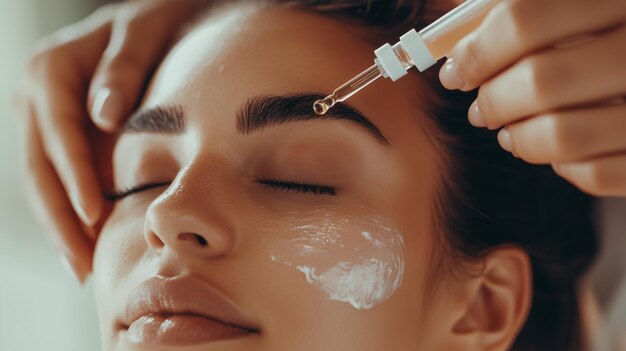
(137, 45)
(59, 75)
(567, 136)
(87, 32)
(554, 80)
(67, 147)
(52, 207)
(601, 177)
(516, 28)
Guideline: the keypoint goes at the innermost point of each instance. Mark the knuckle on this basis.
(545, 79)
(473, 60)
(519, 15)
(511, 13)
(565, 141)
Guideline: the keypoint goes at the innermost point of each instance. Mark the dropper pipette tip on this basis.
(322, 106)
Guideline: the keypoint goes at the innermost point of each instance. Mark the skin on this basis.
(110, 54)
(211, 192)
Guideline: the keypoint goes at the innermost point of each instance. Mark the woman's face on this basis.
(258, 225)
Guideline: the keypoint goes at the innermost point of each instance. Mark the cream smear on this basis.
(356, 258)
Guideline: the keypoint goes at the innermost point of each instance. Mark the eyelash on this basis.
(287, 186)
(119, 194)
(275, 184)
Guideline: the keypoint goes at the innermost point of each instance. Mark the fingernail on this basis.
(70, 269)
(504, 138)
(107, 107)
(476, 117)
(450, 76)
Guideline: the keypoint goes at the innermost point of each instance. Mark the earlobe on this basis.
(498, 302)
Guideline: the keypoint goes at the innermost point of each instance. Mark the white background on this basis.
(41, 308)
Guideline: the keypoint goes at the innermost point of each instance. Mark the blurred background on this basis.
(41, 306)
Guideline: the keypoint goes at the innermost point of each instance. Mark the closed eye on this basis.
(278, 185)
(282, 185)
(119, 194)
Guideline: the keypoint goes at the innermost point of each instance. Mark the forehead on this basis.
(243, 51)
(251, 51)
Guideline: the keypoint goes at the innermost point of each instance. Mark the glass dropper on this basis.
(421, 50)
(348, 89)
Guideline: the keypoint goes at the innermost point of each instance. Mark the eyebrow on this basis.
(158, 120)
(255, 114)
(267, 111)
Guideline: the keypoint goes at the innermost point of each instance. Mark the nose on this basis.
(188, 220)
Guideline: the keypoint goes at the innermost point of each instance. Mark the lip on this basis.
(181, 311)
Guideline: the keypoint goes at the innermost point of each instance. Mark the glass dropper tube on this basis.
(350, 88)
(439, 38)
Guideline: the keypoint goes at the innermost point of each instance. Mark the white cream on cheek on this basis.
(357, 259)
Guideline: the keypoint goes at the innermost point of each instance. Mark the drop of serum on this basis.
(322, 106)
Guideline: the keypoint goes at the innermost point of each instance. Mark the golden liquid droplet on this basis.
(322, 106)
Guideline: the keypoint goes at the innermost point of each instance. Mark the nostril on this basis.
(191, 236)
(201, 240)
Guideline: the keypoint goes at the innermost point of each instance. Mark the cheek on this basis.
(119, 248)
(355, 258)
